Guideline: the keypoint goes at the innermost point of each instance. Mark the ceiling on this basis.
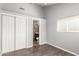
(44, 4)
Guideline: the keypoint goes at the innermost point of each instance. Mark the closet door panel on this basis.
(42, 31)
(20, 32)
(8, 33)
(29, 32)
(0, 34)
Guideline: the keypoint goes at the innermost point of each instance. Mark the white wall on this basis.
(1, 7)
(30, 9)
(66, 40)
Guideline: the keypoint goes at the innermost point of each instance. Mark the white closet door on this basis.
(8, 33)
(29, 32)
(0, 33)
(42, 31)
(20, 32)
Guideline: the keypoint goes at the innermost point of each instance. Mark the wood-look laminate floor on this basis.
(42, 50)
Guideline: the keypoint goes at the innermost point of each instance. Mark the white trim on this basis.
(42, 43)
(33, 18)
(27, 32)
(10, 14)
(14, 13)
(29, 46)
(39, 20)
(63, 49)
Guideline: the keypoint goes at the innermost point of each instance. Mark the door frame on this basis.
(39, 20)
(31, 19)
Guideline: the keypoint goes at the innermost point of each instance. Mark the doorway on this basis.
(35, 33)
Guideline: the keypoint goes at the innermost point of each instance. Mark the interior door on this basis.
(0, 33)
(42, 27)
(29, 32)
(7, 33)
(20, 32)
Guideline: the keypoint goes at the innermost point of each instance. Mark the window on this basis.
(70, 24)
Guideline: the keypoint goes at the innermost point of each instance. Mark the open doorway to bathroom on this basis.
(35, 32)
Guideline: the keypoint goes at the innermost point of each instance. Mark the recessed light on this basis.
(21, 8)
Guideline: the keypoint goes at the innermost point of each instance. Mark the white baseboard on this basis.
(42, 43)
(64, 49)
(29, 46)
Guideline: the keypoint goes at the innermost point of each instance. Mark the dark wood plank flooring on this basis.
(42, 50)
